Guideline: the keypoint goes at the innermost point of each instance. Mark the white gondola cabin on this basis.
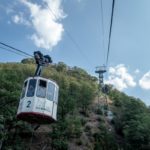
(39, 98)
(38, 102)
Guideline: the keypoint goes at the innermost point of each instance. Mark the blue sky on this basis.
(30, 25)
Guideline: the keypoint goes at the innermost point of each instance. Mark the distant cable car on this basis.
(39, 98)
(105, 88)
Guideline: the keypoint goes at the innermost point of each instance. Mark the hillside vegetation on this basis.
(82, 119)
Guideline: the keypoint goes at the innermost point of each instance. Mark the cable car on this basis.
(39, 98)
(105, 88)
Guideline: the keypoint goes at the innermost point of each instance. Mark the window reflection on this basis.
(31, 88)
(50, 91)
(56, 95)
(41, 89)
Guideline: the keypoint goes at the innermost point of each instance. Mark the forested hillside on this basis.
(83, 121)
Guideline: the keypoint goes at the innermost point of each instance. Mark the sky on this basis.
(72, 31)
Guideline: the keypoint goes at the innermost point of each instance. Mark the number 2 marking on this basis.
(28, 104)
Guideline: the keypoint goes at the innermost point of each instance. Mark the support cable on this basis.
(15, 49)
(110, 32)
(70, 36)
(12, 51)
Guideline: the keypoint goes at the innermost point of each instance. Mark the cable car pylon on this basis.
(100, 70)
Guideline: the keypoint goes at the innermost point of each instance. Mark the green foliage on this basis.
(104, 139)
(61, 67)
(74, 126)
(63, 131)
(60, 144)
(28, 61)
(86, 97)
(132, 121)
(58, 136)
(76, 92)
(99, 111)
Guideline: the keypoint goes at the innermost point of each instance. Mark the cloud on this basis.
(16, 19)
(144, 82)
(19, 19)
(137, 71)
(45, 21)
(120, 78)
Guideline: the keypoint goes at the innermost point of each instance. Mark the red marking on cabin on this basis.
(35, 117)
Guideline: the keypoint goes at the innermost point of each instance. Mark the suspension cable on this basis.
(15, 49)
(110, 31)
(12, 51)
(70, 36)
